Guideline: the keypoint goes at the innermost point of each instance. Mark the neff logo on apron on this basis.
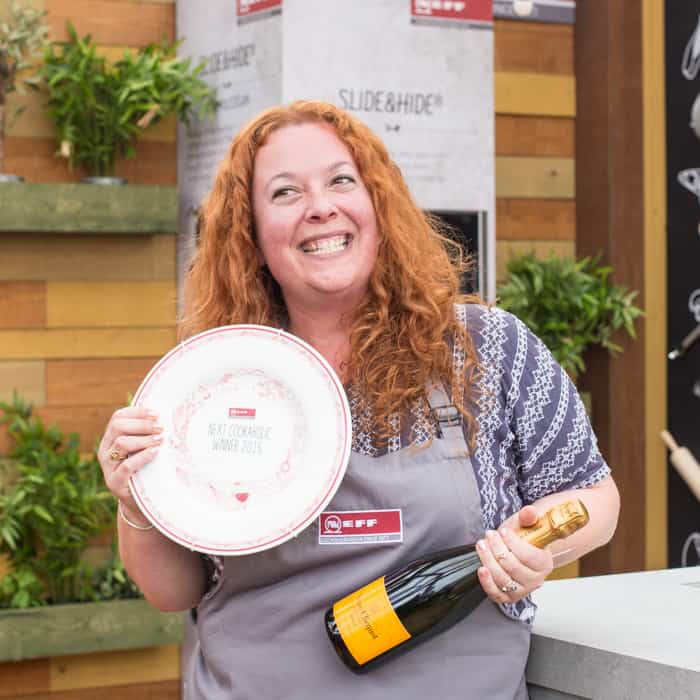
(360, 526)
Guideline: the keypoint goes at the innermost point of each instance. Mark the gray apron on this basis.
(260, 633)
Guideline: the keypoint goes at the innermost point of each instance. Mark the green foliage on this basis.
(52, 503)
(22, 36)
(99, 109)
(571, 305)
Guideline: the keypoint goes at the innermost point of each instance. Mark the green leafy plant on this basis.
(53, 502)
(571, 305)
(99, 109)
(22, 36)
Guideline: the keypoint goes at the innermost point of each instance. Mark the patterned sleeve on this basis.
(554, 447)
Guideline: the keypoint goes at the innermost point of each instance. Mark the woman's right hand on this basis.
(131, 441)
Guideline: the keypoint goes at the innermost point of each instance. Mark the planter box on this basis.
(71, 208)
(56, 630)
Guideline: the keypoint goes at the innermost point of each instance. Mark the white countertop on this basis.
(631, 635)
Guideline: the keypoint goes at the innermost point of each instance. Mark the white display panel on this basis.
(244, 64)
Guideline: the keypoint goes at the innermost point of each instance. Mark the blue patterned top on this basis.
(534, 435)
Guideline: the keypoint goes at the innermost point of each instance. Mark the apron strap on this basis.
(446, 414)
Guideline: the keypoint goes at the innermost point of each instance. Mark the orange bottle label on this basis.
(367, 622)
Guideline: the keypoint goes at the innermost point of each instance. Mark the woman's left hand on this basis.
(512, 568)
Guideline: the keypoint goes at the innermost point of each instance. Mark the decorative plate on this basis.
(257, 435)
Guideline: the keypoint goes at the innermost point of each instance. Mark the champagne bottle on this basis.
(407, 606)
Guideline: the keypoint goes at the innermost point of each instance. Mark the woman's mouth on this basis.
(332, 244)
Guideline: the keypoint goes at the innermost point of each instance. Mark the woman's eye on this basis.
(282, 192)
(343, 179)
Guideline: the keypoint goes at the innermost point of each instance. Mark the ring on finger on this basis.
(501, 556)
(115, 455)
(510, 587)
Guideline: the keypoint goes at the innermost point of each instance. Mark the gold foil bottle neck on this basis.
(556, 524)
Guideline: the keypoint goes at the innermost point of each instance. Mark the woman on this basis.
(311, 227)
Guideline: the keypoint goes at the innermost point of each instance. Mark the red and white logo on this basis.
(458, 10)
(360, 526)
(241, 413)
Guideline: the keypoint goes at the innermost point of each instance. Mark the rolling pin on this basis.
(684, 462)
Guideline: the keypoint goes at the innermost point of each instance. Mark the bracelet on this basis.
(120, 510)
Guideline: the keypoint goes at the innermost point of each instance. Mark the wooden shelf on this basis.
(57, 630)
(95, 209)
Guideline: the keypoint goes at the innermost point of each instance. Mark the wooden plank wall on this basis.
(535, 119)
(83, 318)
(141, 673)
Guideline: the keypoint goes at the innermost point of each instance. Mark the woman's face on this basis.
(314, 219)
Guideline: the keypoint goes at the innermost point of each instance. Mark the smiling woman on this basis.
(464, 427)
(315, 226)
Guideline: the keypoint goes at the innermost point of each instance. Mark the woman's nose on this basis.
(321, 208)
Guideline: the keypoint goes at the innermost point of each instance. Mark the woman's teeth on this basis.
(327, 245)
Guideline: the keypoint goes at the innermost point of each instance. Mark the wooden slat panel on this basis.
(28, 378)
(610, 214)
(85, 343)
(655, 284)
(163, 131)
(86, 257)
(534, 47)
(505, 250)
(538, 178)
(34, 121)
(89, 422)
(111, 22)
(155, 164)
(35, 160)
(22, 304)
(6, 443)
(115, 668)
(567, 571)
(21, 678)
(85, 382)
(532, 93)
(4, 570)
(528, 219)
(163, 690)
(535, 136)
(110, 304)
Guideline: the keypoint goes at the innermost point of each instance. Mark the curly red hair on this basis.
(401, 333)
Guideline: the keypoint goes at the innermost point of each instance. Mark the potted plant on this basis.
(570, 304)
(22, 35)
(66, 590)
(99, 109)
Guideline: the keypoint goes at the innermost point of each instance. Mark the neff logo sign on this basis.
(333, 523)
(389, 102)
